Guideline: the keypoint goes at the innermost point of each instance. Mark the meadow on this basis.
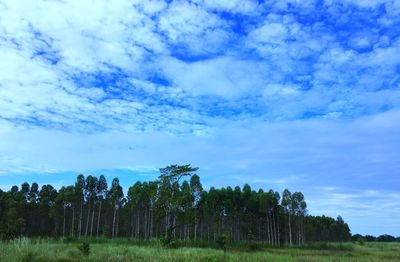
(24, 250)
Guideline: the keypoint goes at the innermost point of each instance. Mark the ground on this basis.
(124, 250)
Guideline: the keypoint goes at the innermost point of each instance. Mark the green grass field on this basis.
(125, 250)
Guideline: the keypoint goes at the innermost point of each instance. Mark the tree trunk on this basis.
(113, 224)
(290, 232)
(138, 224)
(98, 220)
(92, 222)
(268, 230)
(278, 225)
(80, 220)
(132, 224)
(273, 228)
(87, 219)
(195, 226)
(151, 223)
(117, 226)
(64, 223)
(73, 221)
(145, 223)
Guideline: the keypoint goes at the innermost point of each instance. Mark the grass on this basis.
(67, 250)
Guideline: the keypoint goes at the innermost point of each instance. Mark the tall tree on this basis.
(79, 192)
(287, 204)
(170, 177)
(101, 196)
(196, 190)
(116, 196)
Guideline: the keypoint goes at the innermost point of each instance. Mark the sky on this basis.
(278, 94)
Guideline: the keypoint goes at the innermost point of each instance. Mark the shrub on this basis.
(28, 257)
(84, 248)
(224, 240)
(68, 240)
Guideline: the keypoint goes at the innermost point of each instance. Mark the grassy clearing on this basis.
(25, 250)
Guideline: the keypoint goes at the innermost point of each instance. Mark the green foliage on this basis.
(28, 256)
(224, 240)
(69, 240)
(329, 246)
(46, 250)
(176, 202)
(167, 240)
(84, 247)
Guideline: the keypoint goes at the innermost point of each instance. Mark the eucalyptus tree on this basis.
(61, 200)
(90, 195)
(237, 209)
(151, 191)
(134, 203)
(196, 190)
(47, 198)
(116, 197)
(185, 208)
(101, 190)
(169, 179)
(300, 210)
(287, 204)
(79, 192)
(265, 207)
(276, 211)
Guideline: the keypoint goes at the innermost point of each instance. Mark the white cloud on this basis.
(234, 6)
(193, 28)
(225, 77)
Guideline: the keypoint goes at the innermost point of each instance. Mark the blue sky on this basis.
(281, 94)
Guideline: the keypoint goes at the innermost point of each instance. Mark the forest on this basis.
(175, 206)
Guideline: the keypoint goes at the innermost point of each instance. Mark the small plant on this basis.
(252, 244)
(28, 257)
(167, 240)
(361, 241)
(84, 248)
(68, 240)
(223, 241)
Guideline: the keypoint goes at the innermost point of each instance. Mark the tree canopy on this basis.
(176, 204)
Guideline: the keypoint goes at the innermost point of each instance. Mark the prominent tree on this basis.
(287, 204)
(101, 190)
(169, 179)
(79, 193)
(116, 197)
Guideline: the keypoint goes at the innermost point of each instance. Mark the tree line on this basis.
(370, 238)
(174, 206)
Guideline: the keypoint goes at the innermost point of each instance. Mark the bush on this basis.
(329, 246)
(168, 240)
(28, 257)
(224, 240)
(67, 240)
(84, 248)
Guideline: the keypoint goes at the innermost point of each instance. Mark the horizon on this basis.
(303, 95)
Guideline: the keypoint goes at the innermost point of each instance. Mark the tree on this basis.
(299, 208)
(90, 195)
(101, 196)
(287, 204)
(116, 196)
(196, 190)
(79, 193)
(47, 199)
(170, 177)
